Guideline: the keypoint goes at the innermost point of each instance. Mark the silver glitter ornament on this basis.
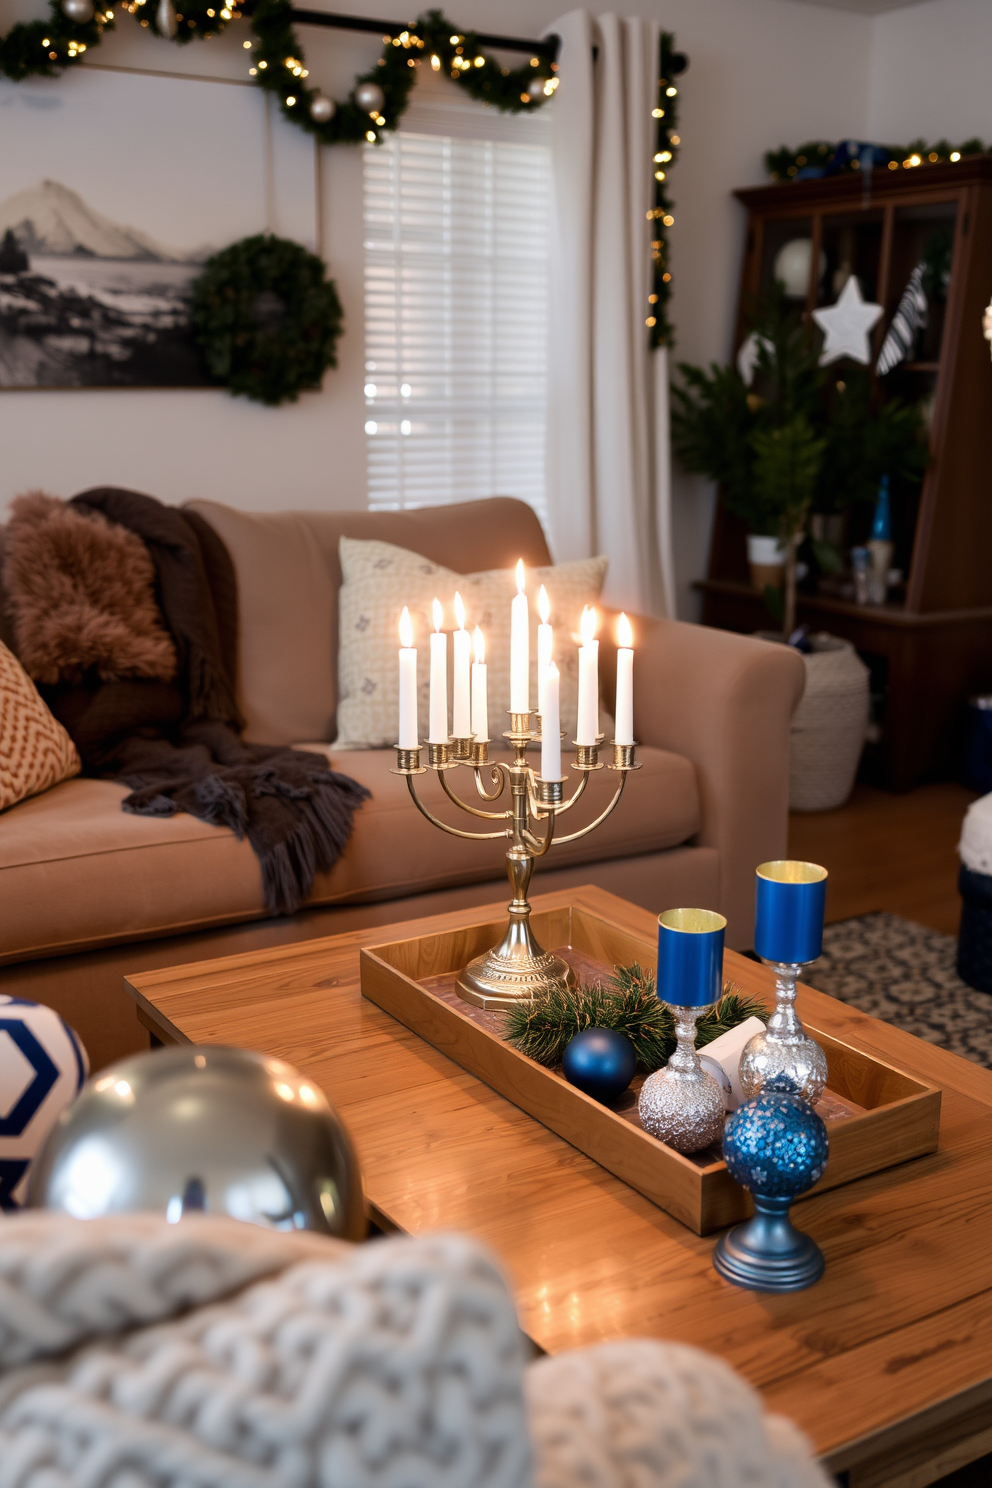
(221, 1130)
(370, 98)
(784, 1048)
(681, 1104)
(79, 11)
(322, 109)
(535, 89)
(166, 23)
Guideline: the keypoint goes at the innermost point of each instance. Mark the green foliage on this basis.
(46, 48)
(818, 156)
(628, 1002)
(266, 318)
(787, 463)
(844, 434)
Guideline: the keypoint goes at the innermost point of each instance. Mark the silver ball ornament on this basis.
(221, 1130)
(535, 89)
(322, 109)
(79, 11)
(166, 20)
(370, 98)
(687, 1114)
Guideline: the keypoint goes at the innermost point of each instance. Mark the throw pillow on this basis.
(378, 579)
(35, 750)
(81, 594)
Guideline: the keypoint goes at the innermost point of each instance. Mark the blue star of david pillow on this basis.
(42, 1069)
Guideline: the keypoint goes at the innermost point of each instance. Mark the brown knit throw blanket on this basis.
(176, 744)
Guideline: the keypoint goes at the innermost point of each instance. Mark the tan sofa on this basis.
(88, 892)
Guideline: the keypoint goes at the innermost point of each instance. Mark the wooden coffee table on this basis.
(886, 1364)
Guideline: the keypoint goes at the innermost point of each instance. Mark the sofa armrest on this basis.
(725, 701)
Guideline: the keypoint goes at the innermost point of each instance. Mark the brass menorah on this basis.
(518, 969)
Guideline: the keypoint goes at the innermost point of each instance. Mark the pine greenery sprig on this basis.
(627, 1002)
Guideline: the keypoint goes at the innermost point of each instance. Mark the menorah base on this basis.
(515, 971)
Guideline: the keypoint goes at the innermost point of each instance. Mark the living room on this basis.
(495, 762)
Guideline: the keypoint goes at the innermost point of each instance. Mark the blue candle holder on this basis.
(682, 1105)
(788, 935)
(776, 1146)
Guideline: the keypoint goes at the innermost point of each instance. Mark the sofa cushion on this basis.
(379, 579)
(76, 871)
(288, 579)
(35, 750)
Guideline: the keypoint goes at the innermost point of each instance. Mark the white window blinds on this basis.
(456, 268)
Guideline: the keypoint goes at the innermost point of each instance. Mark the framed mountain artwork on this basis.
(113, 191)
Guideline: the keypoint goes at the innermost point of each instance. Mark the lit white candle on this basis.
(625, 683)
(550, 727)
(409, 735)
(461, 710)
(545, 645)
(439, 680)
(587, 731)
(520, 648)
(480, 690)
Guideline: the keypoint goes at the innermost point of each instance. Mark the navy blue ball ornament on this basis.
(600, 1062)
(776, 1146)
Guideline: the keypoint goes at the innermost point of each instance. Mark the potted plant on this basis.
(793, 446)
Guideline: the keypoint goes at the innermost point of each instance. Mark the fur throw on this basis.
(81, 593)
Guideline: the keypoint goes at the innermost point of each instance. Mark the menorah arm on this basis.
(495, 775)
(577, 794)
(539, 845)
(584, 831)
(472, 810)
(452, 831)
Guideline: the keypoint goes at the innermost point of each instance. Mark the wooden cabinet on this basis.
(930, 645)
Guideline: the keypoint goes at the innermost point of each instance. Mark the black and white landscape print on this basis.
(86, 302)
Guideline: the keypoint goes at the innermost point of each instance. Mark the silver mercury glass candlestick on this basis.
(518, 969)
(785, 1048)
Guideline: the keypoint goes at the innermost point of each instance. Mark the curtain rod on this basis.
(546, 48)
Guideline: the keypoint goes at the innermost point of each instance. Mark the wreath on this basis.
(266, 318)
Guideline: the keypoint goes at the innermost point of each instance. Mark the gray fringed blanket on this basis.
(171, 733)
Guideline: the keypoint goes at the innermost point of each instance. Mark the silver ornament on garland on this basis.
(535, 89)
(322, 109)
(80, 11)
(165, 19)
(370, 98)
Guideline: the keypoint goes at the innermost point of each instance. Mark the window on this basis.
(456, 268)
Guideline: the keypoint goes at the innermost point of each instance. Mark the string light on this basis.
(290, 101)
(955, 156)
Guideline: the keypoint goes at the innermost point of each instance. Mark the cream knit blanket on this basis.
(235, 1357)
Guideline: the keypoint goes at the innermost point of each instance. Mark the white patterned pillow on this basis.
(378, 579)
(35, 750)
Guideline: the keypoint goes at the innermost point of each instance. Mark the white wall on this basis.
(930, 73)
(763, 72)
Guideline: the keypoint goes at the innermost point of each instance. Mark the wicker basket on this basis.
(828, 726)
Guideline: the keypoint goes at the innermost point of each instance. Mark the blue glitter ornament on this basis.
(776, 1146)
(600, 1062)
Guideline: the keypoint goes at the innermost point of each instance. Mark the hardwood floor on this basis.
(889, 852)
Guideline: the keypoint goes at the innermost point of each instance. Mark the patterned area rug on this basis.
(904, 973)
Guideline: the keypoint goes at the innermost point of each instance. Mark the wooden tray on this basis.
(876, 1115)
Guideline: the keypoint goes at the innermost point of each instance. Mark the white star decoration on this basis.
(846, 325)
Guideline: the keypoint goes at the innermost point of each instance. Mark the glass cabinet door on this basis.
(785, 254)
(923, 237)
(850, 243)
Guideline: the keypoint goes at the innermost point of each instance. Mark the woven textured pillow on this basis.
(378, 579)
(35, 750)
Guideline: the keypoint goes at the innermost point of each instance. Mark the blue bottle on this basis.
(881, 527)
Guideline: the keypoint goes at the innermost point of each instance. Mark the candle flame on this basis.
(459, 611)
(406, 629)
(438, 609)
(478, 641)
(544, 606)
(588, 624)
(520, 576)
(625, 636)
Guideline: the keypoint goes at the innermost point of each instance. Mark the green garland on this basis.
(266, 318)
(47, 48)
(820, 155)
(627, 1002)
(666, 152)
